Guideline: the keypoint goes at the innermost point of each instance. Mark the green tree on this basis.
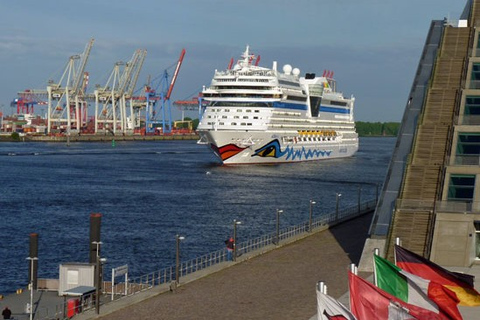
(15, 136)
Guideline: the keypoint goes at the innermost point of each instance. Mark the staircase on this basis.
(413, 217)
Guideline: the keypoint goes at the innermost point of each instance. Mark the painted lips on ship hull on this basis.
(227, 151)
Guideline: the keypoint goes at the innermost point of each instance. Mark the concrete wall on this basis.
(454, 239)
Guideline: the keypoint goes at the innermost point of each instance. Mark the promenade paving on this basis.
(279, 284)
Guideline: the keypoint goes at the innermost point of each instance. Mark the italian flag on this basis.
(461, 284)
(415, 290)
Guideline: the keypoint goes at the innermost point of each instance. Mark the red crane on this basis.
(175, 74)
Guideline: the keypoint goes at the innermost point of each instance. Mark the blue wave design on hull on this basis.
(308, 153)
(273, 149)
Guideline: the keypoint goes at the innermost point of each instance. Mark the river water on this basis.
(147, 192)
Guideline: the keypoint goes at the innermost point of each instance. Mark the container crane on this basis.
(163, 97)
(132, 121)
(28, 99)
(113, 96)
(64, 97)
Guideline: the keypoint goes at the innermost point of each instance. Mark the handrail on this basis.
(166, 276)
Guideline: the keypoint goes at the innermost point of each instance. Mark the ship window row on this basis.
(335, 103)
(306, 139)
(238, 110)
(234, 117)
(225, 80)
(242, 95)
(242, 87)
(296, 98)
(253, 80)
(287, 113)
(232, 123)
(289, 83)
(234, 104)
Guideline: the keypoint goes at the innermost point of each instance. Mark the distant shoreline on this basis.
(97, 138)
(107, 138)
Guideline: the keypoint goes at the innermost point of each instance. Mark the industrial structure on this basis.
(431, 197)
(119, 107)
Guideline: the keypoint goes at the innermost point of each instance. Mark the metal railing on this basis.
(167, 275)
(470, 119)
(461, 206)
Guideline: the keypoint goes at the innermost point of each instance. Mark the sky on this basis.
(373, 46)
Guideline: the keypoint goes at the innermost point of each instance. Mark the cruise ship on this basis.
(254, 115)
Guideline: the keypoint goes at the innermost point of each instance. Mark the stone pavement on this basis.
(279, 284)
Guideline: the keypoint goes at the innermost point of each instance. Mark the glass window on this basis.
(475, 83)
(461, 187)
(472, 105)
(468, 143)
(476, 71)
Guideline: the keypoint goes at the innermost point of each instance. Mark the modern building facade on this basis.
(431, 198)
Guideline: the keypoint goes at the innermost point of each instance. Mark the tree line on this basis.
(375, 129)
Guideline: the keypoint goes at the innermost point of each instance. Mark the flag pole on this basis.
(353, 268)
(397, 242)
(375, 253)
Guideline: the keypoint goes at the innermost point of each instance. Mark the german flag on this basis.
(461, 284)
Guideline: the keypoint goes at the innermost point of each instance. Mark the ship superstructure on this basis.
(260, 115)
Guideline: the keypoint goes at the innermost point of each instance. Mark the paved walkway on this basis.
(279, 284)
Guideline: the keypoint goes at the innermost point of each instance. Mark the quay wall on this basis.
(108, 138)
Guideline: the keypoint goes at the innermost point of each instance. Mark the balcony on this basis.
(470, 120)
(467, 160)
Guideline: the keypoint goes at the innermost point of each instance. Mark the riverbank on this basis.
(96, 138)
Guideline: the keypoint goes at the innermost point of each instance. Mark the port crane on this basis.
(66, 98)
(28, 99)
(111, 99)
(157, 101)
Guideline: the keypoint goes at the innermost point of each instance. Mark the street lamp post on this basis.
(277, 238)
(311, 216)
(338, 195)
(32, 259)
(97, 277)
(177, 260)
(235, 223)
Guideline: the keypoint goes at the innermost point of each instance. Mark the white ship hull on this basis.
(268, 147)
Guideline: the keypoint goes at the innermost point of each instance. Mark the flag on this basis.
(331, 309)
(368, 302)
(396, 312)
(415, 290)
(461, 284)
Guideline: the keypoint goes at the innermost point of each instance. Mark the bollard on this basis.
(95, 221)
(33, 274)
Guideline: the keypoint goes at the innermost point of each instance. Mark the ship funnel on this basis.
(274, 67)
